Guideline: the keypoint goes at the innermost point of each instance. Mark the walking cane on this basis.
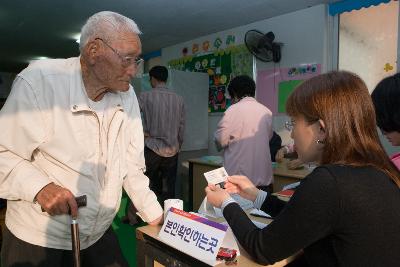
(81, 201)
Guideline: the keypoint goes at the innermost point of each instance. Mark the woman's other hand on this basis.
(216, 195)
(243, 186)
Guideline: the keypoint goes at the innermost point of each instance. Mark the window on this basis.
(368, 42)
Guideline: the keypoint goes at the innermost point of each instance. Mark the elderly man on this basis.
(72, 127)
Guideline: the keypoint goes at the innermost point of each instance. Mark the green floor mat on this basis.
(126, 234)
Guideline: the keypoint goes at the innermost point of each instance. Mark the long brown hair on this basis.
(341, 99)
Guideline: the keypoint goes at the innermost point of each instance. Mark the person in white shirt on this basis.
(72, 127)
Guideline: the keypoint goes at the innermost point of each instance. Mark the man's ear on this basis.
(92, 50)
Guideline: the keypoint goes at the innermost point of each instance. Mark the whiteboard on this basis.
(193, 87)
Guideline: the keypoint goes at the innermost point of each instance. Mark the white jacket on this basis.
(50, 134)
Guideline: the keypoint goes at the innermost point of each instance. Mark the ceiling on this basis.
(47, 28)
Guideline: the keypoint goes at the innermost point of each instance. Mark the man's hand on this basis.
(159, 220)
(56, 200)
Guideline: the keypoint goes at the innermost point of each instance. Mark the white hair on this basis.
(106, 25)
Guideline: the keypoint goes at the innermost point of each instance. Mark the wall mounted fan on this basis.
(262, 46)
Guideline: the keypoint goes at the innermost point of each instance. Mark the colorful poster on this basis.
(221, 66)
(272, 93)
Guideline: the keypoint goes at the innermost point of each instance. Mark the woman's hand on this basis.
(216, 195)
(243, 186)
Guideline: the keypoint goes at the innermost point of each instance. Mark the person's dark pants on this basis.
(130, 215)
(159, 168)
(17, 253)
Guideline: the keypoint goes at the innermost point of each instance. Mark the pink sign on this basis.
(268, 82)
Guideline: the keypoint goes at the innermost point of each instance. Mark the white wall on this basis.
(302, 32)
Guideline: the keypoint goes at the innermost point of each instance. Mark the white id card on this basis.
(217, 176)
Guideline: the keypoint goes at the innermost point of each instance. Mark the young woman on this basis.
(386, 98)
(346, 212)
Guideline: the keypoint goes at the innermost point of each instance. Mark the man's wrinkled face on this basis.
(119, 61)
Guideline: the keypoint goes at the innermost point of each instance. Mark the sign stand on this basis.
(196, 236)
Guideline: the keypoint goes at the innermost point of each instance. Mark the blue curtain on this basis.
(349, 5)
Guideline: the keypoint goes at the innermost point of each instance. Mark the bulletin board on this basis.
(221, 66)
(275, 85)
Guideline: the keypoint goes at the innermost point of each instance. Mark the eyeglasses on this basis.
(289, 125)
(126, 61)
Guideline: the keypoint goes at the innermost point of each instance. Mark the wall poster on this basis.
(221, 66)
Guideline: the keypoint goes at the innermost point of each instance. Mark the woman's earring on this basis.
(320, 141)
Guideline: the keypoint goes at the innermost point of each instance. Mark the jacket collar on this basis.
(79, 100)
(247, 98)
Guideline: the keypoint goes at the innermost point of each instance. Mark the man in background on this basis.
(72, 127)
(244, 132)
(163, 124)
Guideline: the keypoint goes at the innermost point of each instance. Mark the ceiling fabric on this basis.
(350, 5)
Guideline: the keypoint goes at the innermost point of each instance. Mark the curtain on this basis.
(349, 5)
